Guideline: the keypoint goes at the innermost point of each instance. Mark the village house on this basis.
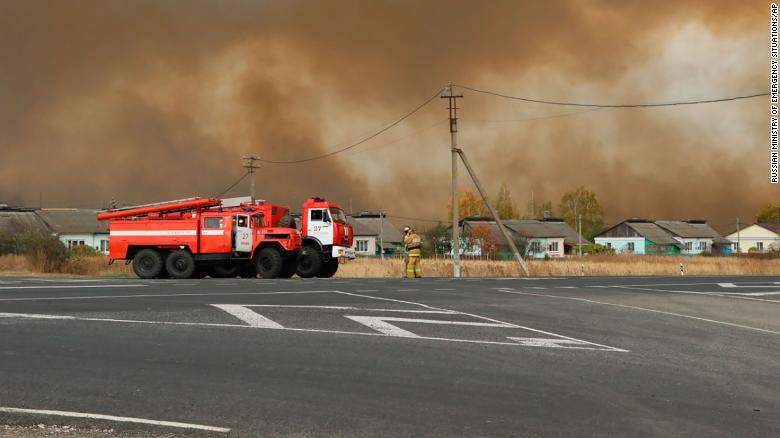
(759, 237)
(76, 227)
(373, 233)
(663, 237)
(548, 238)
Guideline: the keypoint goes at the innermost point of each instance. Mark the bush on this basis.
(44, 252)
(595, 248)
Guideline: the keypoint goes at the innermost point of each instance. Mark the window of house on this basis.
(536, 246)
(760, 246)
(75, 243)
(361, 245)
(212, 222)
(552, 247)
(609, 245)
(688, 246)
(702, 246)
(630, 246)
(103, 245)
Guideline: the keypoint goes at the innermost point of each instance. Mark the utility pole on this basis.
(249, 164)
(579, 233)
(453, 115)
(739, 243)
(493, 212)
(381, 234)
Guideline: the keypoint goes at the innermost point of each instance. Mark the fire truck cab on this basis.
(327, 237)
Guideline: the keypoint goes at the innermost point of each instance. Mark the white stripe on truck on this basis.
(152, 233)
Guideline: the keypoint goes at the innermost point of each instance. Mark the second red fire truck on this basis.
(197, 237)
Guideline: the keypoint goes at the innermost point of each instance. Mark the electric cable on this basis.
(232, 185)
(361, 141)
(596, 105)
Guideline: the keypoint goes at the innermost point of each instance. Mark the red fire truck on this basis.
(196, 237)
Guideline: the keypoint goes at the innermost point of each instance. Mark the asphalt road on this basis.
(675, 356)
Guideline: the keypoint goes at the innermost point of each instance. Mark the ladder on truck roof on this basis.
(159, 207)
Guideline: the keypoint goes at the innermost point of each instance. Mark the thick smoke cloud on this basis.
(144, 101)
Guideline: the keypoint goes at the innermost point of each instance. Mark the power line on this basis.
(361, 141)
(417, 219)
(595, 105)
(529, 119)
(233, 185)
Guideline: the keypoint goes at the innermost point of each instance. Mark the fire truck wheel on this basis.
(148, 263)
(287, 222)
(269, 263)
(309, 262)
(180, 264)
(329, 268)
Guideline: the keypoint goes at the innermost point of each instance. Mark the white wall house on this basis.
(370, 230)
(760, 237)
(77, 227)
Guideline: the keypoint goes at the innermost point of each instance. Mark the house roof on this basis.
(369, 225)
(691, 230)
(72, 221)
(530, 228)
(775, 228)
(14, 221)
(653, 233)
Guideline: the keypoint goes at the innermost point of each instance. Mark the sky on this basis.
(145, 101)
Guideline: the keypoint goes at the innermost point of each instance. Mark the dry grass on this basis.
(94, 266)
(595, 265)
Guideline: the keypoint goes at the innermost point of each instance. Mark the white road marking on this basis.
(256, 321)
(380, 324)
(367, 290)
(301, 306)
(645, 309)
(102, 297)
(248, 316)
(550, 343)
(535, 287)
(114, 418)
(73, 286)
(732, 285)
(752, 294)
(565, 287)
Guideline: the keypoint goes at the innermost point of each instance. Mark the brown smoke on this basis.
(145, 101)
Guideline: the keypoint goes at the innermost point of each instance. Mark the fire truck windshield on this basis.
(338, 215)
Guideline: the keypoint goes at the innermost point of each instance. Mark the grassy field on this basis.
(602, 265)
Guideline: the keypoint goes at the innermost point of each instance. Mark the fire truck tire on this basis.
(309, 262)
(180, 264)
(329, 268)
(148, 263)
(287, 222)
(269, 263)
(224, 270)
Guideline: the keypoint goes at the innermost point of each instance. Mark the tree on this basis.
(482, 236)
(582, 202)
(505, 207)
(469, 204)
(770, 213)
(536, 211)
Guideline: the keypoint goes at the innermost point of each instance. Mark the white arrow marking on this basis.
(553, 343)
(380, 324)
(250, 317)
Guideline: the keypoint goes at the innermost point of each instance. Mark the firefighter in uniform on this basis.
(413, 244)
